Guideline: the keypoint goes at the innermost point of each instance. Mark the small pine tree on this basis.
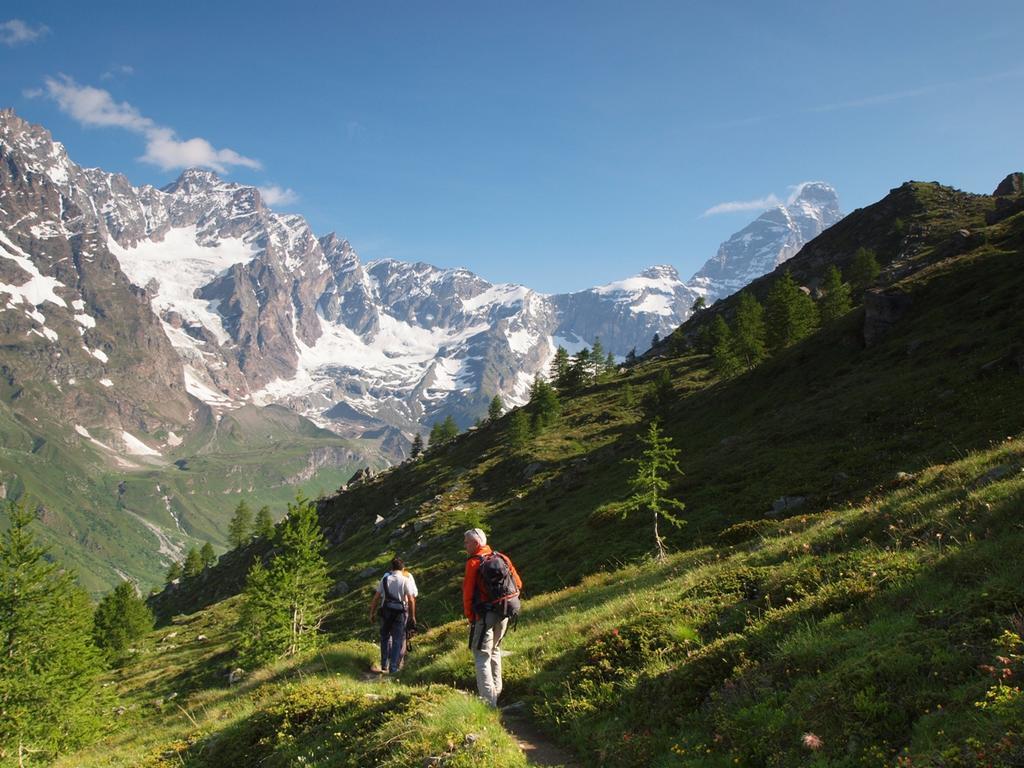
(791, 314)
(836, 301)
(496, 408)
(597, 359)
(863, 270)
(265, 524)
(436, 434)
(698, 304)
(121, 618)
(240, 527)
(723, 349)
(518, 429)
(750, 335)
(208, 556)
(655, 340)
(609, 363)
(544, 405)
(49, 664)
(649, 483)
(173, 572)
(417, 445)
(193, 564)
(284, 605)
(449, 428)
(628, 395)
(661, 394)
(631, 356)
(560, 368)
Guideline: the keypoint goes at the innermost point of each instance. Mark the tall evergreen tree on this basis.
(544, 404)
(560, 368)
(650, 482)
(284, 604)
(597, 359)
(208, 556)
(173, 572)
(121, 618)
(240, 527)
(655, 340)
(417, 445)
(791, 314)
(836, 301)
(750, 334)
(265, 524)
(518, 429)
(579, 373)
(48, 661)
(609, 363)
(496, 408)
(631, 356)
(449, 428)
(723, 349)
(193, 564)
(863, 270)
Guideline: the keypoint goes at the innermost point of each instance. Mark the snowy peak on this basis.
(775, 236)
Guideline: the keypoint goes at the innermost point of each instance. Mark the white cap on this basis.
(476, 533)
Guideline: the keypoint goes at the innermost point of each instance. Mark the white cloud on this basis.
(117, 71)
(275, 195)
(734, 206)
(96, 107)
(16, 31)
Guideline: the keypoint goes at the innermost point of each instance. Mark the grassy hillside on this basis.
(877, 621)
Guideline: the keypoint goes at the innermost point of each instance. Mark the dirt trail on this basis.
(537, 747)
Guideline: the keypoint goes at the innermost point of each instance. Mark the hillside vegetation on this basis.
(846, 590)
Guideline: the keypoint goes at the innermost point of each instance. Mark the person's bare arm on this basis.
(373, 607)
(412, 608)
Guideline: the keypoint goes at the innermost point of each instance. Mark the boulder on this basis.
(882, 310)
(532, 469)
(340, 588)
(786, 503)
(366, 573)
(236, 675)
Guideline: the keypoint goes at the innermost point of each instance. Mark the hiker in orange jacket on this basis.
(488, 621)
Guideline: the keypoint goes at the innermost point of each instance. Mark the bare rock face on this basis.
(882, 310)
(1011, 186)
(1009, 198)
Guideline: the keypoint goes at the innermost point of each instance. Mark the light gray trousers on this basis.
(487, 652)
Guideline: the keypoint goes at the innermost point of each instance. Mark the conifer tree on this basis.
(631, 356)
(836, 301)
(208, 556)
(436, 434)
(450, 429)
(265, 524)
(560, 368)
(791, 314)
(173, 572)
(496, 408)
(609, 363)
(193, 564)
(284, 604)
(417, 445)
(655, 340)
(518, 429)
(723, 349)
(750, 334)
(578, 375)
(544, 404)
(650, 482)
(597, 359)
(48, 661)
(863, 270)
(698, 304)
(240, 527)
(628, 395)
(121, 618)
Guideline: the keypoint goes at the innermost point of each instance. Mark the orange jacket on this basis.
(471, 589)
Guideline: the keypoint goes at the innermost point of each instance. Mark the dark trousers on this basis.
(392, 638)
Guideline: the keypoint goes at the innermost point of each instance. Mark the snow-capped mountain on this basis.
(248, 306)
(775, 236)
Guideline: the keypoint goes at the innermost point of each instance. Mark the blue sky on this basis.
(556, 144)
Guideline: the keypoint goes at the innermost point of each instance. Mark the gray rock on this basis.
(882, 310)
(366, 573)
(532, 469)
(786, 503)
(996, 473)
(340, 588)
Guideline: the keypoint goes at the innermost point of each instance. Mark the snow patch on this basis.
(136, 446)
(106, 382)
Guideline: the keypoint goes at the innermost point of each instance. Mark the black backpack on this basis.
(391, 602)
(495, 574)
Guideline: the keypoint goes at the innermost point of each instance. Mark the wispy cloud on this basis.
(275, 195)
(120, 70)
(886, 98)
(17, 32)
(95, 107)
(735, 206)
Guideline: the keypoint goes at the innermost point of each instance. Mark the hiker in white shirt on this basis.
(396, 596)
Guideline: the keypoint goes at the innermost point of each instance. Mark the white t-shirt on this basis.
(397, 588)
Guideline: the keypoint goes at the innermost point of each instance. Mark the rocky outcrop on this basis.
(882, 310)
